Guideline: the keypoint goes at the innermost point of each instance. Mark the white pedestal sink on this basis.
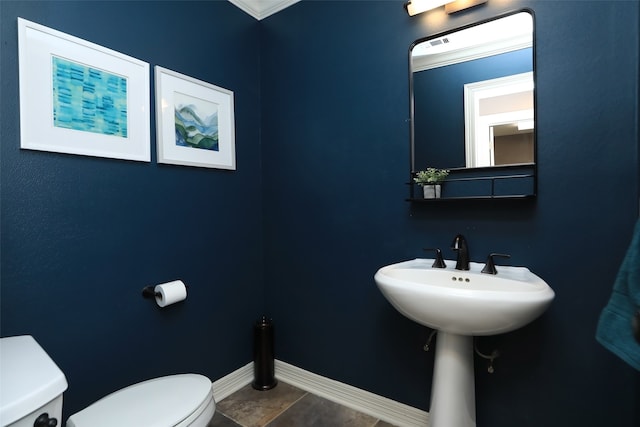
(461, 304)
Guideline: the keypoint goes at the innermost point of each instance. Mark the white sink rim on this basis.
(474, 303)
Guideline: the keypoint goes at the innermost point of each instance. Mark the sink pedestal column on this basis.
(453, 401)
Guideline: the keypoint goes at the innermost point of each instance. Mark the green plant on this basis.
(430, 176)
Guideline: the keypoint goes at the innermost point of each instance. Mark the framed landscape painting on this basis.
(194, 122)
(80, 98)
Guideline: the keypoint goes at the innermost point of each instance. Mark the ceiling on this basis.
(260, 9)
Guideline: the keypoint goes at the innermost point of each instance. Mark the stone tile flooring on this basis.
(286, 406)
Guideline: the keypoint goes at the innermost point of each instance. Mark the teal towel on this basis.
(615, 328)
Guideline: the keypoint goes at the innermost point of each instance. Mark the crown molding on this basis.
(497, 47)
(260, 9)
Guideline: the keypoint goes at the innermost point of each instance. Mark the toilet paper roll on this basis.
(170, 293)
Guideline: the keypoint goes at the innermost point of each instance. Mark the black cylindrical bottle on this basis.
(263, 355)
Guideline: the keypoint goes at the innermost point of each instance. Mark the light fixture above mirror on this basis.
(414, 7)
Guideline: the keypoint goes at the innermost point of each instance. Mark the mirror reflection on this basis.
(473, 96)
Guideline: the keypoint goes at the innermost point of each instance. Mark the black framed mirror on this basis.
(473, 108)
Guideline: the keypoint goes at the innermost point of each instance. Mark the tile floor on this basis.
(286, 406)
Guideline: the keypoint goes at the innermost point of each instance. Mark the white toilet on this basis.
(32, 386)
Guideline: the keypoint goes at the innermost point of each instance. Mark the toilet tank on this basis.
(31, 384)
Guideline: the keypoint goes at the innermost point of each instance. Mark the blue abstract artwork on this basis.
(196, 122)
(88, 99)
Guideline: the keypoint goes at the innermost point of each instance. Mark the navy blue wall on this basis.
(82, 236)
(439, 105)
(336, 157)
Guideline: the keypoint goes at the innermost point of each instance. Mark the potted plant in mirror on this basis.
(431, 180)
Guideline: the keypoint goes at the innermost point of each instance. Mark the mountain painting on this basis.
(88, 99)
(196, 122)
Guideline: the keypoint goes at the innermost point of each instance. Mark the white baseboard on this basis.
(233, 382)
(385, 409)
(366, 402)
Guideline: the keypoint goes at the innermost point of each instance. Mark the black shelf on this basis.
(457, 199)
(503, 183)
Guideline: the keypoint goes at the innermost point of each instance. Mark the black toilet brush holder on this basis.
(263, 355)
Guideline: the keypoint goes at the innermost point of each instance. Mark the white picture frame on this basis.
(195, 123)
(69, 102)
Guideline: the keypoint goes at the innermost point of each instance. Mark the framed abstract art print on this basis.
(77, 97)
(194, 122)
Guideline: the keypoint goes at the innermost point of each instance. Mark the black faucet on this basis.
(460, 245)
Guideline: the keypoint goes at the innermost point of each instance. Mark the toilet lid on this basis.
(159, 402)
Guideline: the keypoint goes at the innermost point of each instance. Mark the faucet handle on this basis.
(439, 262)
(490, 267)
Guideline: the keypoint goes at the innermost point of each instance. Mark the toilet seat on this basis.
(171, 401)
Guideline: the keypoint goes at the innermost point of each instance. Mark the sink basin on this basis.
(464, 302)
(460, 304)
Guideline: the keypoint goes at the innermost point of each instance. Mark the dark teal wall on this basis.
(82, 236)
(336, 158)
(322, 141)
